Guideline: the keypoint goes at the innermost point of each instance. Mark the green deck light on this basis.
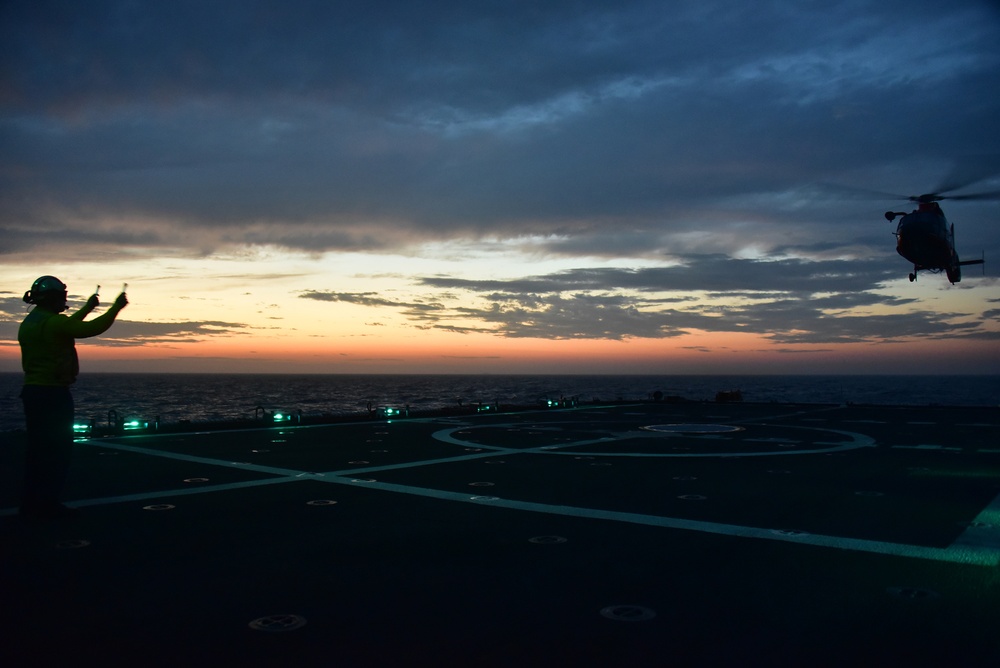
(134, 425)
(274, 415)
(392, 411)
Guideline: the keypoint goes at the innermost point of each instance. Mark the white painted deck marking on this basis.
(856, 441)
(975, 554)
(925, 447)
(978, 545)
(983, 531)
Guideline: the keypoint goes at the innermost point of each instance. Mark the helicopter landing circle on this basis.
(702, 440)
(693, 428)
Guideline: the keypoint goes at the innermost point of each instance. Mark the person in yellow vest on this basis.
(48, 357)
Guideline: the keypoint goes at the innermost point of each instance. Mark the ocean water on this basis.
(205, 398)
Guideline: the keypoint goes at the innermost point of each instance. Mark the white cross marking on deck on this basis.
(978, 545)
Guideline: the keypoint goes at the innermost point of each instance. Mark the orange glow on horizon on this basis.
(445, 352)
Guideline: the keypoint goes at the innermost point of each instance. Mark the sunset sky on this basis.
(502, 187)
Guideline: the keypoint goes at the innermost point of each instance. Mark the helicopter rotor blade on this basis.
(968, 171)
(994, 195)
(851, 192)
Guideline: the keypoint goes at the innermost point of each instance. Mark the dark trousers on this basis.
(48, 415)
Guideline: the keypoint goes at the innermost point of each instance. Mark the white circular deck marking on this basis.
(275, 623)
(693, 428)
(707, 432)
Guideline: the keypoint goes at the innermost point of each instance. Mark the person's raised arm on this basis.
(82, 329)
(91, 304)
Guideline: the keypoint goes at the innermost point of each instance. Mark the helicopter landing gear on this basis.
(913, 277)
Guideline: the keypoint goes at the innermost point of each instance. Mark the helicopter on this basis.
(924, 236)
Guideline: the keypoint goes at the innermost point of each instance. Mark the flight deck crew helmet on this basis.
(42, 287)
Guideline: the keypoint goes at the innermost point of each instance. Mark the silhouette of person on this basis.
(48, 357)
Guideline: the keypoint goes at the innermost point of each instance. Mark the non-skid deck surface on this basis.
(650, 534)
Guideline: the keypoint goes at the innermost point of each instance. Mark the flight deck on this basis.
(651, 533)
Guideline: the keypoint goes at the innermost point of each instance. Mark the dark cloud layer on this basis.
(715, 273)
(455, 118)
(787, 302)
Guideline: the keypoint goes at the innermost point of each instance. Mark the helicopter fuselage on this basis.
(925, 238)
